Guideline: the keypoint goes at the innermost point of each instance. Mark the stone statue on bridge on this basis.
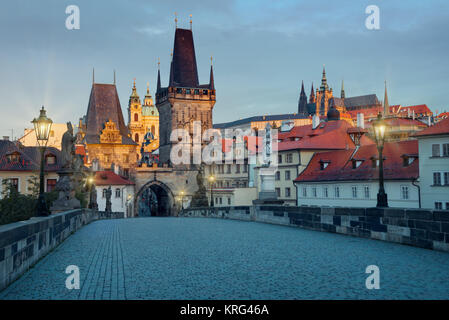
(108, 199)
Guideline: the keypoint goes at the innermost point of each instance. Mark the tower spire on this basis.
(211, 79)
(302, 104)
(93, 75)
(134, 93)
(386, 105)
(190, 15)
(158, 88)
(342, 94)
(312, 95)
(176, 20)
(324, 85)
(114, 76)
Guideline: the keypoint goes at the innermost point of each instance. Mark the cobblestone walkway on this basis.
(195, 258)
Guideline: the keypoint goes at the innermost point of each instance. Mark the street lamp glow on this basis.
(42, 126)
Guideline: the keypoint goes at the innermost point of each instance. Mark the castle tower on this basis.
(323, 95)
(184, 100)
(302, 104)
(386, 105)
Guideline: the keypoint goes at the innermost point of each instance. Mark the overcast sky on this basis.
(262, 51)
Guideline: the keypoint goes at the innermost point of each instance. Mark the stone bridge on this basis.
(207, 258)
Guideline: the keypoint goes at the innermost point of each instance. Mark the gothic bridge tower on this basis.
(184, 100)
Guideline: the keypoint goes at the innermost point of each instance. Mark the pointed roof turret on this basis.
(158, 86)
(183, 70)
(386, 105)
(211, 79)
(312, 95)
(134, 91)
(342, 94)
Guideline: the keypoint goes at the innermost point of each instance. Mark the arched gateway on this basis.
(155, 199)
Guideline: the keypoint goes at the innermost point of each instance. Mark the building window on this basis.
(245, 168)
(304, 192)
(153, 131)
(125, 158)
(446, 178)
(136, 117)
(314, 192)
(323, 165)
(354, 192)
(439, 205)
(136, 137)
(280, 158)
(50, 159)
(435, 150)
(447, 205)
(221, 200)
(287, 192)
(107, 158)
(445, 149)
(287, 175)
(126, 172)
(278, 192)
(278, 176)
(366, 191)
(237, 168)
(51, 184)
(229, 201)
(14, 183)
(289, 158)
(404, 192)
(104, 193)
(228, 168)
(325, 192)
(437, 178)
(117, 193)
(337, 192)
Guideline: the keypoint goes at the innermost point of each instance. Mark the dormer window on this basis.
(50, 159)
(356, 163)
(13, 157)
(374, 162)
(324, 164)
(407, 160)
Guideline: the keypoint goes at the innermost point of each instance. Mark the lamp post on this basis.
(379, 135)
(42, 126)
(182, 199)
(90, 183)
(211, 182)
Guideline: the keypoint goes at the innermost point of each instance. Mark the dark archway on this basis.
(154, 199)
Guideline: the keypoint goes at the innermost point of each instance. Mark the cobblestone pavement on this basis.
(196, 258)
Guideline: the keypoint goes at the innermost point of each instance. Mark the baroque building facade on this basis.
(143, 119)
(104, 134)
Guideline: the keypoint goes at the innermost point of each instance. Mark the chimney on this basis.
(361, 120)
(315, 121)
(6, 138)
(413, 114)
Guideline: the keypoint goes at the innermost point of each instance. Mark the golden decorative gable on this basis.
(110, 133)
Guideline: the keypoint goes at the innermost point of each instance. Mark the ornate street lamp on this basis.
(211, 182)
(379, 135)
(90, 183)
(42, 126)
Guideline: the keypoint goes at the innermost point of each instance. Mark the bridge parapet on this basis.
(23, 243)
(416, 227)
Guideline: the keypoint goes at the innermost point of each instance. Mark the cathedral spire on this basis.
(324, 85)
(342, 94)
(386, 105)
(312, 95)
(211, 79)
(302, 104)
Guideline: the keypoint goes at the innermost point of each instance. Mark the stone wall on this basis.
(23, 243)
(416, 227)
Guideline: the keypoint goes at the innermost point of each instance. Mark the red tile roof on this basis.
(439, 128)
(332, 135)
(419, 109)
(340, 164)
(395, 122)
(109, 178)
